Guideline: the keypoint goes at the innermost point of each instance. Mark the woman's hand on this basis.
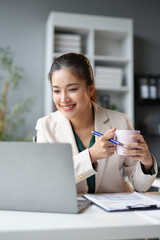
(139, 150)
(102, 147)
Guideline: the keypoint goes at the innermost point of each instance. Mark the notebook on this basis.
(38, 177)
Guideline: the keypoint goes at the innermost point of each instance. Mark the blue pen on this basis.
(111, 139)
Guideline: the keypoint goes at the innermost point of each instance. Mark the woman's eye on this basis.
(72, 89)
(56, 91)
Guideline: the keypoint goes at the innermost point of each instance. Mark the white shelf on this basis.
(121, 90)
(58, 54)
(112, 59)
(106, 41)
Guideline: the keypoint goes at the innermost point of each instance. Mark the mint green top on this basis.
(90, 180)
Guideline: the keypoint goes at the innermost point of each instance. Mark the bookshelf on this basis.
(108, 44)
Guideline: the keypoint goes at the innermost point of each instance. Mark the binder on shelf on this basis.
(143, 86)
(67, 43)
(108, 70)
(108, 76)
(148, 87)
(109, 82)
(67, 49)
(67, 37)
(152, 87)
(158, 86)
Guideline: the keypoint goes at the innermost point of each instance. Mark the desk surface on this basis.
(156, 183)
(93, 223)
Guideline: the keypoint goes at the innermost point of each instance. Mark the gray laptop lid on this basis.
(37, 177)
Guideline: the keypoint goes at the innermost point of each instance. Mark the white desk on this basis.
(93, 223)
(156, 183)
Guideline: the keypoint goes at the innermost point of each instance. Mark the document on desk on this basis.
(123, 201)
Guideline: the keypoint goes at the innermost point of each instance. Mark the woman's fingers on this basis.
(109, 134)
(139, 150)
(103, 148)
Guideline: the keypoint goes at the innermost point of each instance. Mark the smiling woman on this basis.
(73, 87)
(97, 166)
(71, 95)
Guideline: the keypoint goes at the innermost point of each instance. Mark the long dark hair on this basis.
(79, 65)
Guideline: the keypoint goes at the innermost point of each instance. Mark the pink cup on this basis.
(124, 136)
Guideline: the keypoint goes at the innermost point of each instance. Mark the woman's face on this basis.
(70, 94)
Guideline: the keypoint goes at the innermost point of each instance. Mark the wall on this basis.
(22, 27)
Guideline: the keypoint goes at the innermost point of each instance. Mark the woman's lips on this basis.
(68, 107)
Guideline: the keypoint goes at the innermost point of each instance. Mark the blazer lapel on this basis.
(64, 133)
(101, 125)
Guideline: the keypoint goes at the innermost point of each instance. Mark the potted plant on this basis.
(11, 113)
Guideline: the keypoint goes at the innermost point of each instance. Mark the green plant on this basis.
(11, 113)
(114, 106)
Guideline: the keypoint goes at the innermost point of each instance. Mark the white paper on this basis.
(122, 201)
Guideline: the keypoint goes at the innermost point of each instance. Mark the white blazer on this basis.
(109, 177)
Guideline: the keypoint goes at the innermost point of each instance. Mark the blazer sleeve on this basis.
(141, 182)
(82, 166)
(43, 132)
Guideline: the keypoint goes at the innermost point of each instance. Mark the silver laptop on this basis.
(38, 177)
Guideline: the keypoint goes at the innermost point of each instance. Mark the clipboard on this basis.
(123, 201)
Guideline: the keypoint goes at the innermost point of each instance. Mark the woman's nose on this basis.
(65, 97)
